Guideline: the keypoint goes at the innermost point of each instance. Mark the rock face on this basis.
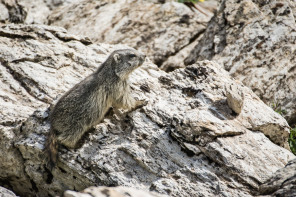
(27, 11)
(111, 192)
(282, 183)
(39, 10)
(255, 41)
(189, 140)
(160, 30)
(6, 193)
(12, 11)
(32, 59)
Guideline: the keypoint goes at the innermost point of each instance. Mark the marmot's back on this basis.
(77, 108)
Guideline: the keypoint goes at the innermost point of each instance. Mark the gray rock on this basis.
(12, 11)
(6, 193)
(235, 98)
(255, 41)
(282, 183)
(159, 30)
(111, 192)
(39, 10)
(185, 142)
(27, 11)
(37, 64)
(168, 40)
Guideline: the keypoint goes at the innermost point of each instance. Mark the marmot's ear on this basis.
(116, 57)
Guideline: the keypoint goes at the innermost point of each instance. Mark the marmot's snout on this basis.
(142, 57)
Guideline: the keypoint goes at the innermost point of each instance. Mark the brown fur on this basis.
(87, 102)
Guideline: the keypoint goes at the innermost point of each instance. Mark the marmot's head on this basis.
(125, 61)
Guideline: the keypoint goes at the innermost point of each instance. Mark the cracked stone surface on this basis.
(168, 40)
(29, 12)
(11, 11)
(282, 183)
(161, 30)
(39, 10)
(111, 192)
(6, 193)
(255, 41)
(27, 53)
(187, 141)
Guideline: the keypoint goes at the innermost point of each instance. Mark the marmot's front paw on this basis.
(140, 103)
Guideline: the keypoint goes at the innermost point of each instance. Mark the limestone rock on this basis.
(28, 11)
(111, 192)
(255, 41)
(282, 183)
(6, 193)
(185, 142)
(160, 30)
(39, 10)
(12, 11)
(235, 98)
(37, 63)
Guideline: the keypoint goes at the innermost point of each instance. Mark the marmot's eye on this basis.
(131, 55)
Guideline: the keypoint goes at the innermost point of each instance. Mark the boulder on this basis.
(282, 183)
(39, 10)
(191, 139)
(6, 193)
(255, 42)
(160, 30)
(34, 60)
(111, 192)
(29, 12)
(11, 11)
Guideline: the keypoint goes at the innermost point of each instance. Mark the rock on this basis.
(111, 192)
(159, 30)
(6, 193)
(255, 41)
(12, 11)
(27, 11)
(235, 98)
(282, 183)
(37, 64)
(176, 61)
(186, 141)
(39, 10)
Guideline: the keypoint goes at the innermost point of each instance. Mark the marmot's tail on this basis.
(51, 149)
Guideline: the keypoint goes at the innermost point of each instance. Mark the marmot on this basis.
(87, 102)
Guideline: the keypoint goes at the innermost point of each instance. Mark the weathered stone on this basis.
(177, 61)
(159, 30)
(39, 10)
(282, 183)
(111, 192)
(28, 11)
(255, 41)
(12, 11)
(6, 193)
(185, 142)
(37, 63)
(235, 98)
